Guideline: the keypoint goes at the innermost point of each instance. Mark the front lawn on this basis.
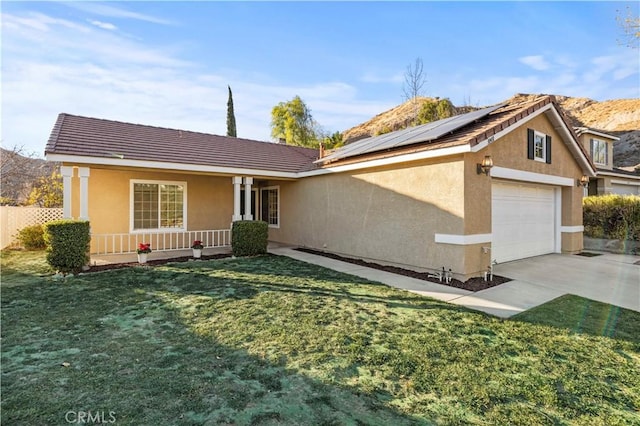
(270, 340)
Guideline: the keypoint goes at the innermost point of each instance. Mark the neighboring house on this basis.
(416, 198)
(609, 179)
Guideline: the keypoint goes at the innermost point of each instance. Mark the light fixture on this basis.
(485, 166)
(584, 181)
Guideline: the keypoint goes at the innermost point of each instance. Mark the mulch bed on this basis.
(472, 284)
(588, 254)
(156, 262)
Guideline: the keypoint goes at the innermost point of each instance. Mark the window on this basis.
(599, 151)
(158, 205)
(539, 143)
(538, 146)
(270, 205)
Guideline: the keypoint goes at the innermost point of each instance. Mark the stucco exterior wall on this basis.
(388, 214)
(585, 140)
(510, 151)
(209, 198)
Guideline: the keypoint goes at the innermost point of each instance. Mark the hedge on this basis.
(249, 237)
(32, 237)
(67, 244)
(612, 216)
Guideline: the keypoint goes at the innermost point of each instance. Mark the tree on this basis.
(18, 170)
(47, 191)
(414, 81)
(292, 121)
(231, 118)
(435, 109)
(333, 141)
(631, 27)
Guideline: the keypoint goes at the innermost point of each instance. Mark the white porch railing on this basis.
(160, 241)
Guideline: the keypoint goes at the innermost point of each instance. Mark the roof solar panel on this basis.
(423, 133)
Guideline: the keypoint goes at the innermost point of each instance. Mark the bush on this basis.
(249, 238)
(67, 244)
(32, 237)
(612, 216)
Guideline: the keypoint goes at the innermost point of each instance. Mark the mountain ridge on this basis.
(618, 117)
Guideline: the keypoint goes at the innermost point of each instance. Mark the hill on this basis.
(619, 117)
(18, 174)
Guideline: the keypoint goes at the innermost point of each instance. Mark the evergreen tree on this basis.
(231, 118)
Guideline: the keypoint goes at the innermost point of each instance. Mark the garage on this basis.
(523, 218)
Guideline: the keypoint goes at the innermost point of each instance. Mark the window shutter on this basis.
(530, 143)
(548, 149)
(591, 143)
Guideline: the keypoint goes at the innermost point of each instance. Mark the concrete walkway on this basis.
(608, 278)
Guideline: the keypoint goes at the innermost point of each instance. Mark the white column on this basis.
(237, 181)
(83, 174)
(248, 181)
(67, 174)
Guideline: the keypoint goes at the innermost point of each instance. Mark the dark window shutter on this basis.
(530, 150)
(548, 149)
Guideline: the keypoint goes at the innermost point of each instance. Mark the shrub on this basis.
(32, 237)
(67, 244)
(249, 237)
(612, 216)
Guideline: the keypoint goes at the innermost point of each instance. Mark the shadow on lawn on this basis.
(297, 277)
(131, 351)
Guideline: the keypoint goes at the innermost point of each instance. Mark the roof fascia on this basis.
(582, 131)
(562, 128)
(414, 156)
(168, 166)
(620, 175)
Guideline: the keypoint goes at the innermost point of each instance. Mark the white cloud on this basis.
(103, 25)
(372, 77)
(537, 62)
(111, 11)
(85, 71)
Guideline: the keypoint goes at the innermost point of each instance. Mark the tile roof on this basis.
(91, 137)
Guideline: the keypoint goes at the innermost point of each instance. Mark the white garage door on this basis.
(523, 220)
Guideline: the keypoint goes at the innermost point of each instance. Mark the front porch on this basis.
(126, 243)
(107, 259)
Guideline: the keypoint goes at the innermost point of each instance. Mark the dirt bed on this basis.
(156, 262)
(472, 284)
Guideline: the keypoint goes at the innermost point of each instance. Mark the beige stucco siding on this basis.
(585, 140)
(209, 199)
(510, 151)
(388, 214)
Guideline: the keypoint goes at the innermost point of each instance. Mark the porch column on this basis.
(67, 174)
(237, 181)
(83, 174)
(248, 181)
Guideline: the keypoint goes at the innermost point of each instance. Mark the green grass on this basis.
(270, 340)
(586, 316)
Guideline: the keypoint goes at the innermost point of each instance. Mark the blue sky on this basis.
(169, 63)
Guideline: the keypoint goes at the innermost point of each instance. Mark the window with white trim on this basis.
(158, 205)
(270, 205)
(599, 151)
(539, 146)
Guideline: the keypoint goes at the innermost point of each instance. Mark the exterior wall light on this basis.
(485, 166)
(584, 181)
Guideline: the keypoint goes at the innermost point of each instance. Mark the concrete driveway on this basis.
(609, 278)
